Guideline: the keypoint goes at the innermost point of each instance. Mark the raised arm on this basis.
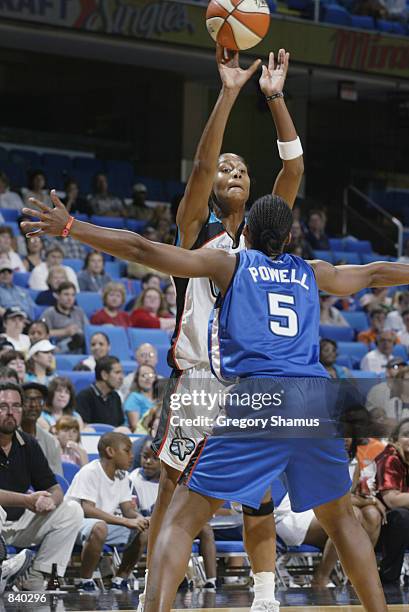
(212, 263)
(194, 207)
(272, 82)
(344, 280)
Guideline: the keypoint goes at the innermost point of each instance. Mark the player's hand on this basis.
(52, 221)
(139, 524)
(273, 77)
(32, 499)
(233, 77)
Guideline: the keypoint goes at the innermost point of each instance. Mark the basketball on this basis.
(237, 24)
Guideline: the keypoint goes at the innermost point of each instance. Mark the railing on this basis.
(371, 222)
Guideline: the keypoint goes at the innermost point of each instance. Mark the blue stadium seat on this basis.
(117, 337)
(370, 257)
(334, 13)
(92, 457)
(392, 27)
(80, 380)
(89, 301)
(121, 177)
(9, 214)
(83, 217)
(157, 337)
(162, 368)
(56, 161)
(115, 269)
(15, 173)
(400, 351)
(357, 246)
(64, 484)
(324, 255)
(38, 311)
(349, 258)
(339, 334)
(364, 22)
(133, 287)
(74, 263)
(88, 164)
(129, 365)
(84, 179)
(365, 374)
(114, 222)
(29, 159)
(355, 350)
(357, 320)
(336, 244)
(14, 227)
(21, 278)
(101, 428)
(34, 293)
(229, 546)
(344, 360)
(69, 471)
(68, 362)
(136, 226)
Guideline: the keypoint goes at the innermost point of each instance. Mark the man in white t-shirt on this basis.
(376, 360)
(394, 319)
(101, 487)
(54, 257)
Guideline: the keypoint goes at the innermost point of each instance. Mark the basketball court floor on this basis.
(341, 599)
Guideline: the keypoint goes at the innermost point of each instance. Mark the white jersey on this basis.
(195, 300)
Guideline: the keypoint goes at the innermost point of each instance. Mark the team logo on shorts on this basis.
(181, 446)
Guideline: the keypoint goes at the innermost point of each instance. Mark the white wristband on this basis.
(290, 150)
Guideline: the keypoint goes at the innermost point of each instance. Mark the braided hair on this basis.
(269, 222)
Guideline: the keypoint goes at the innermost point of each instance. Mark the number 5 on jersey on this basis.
(288, 323)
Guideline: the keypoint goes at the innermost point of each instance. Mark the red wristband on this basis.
(67, 228)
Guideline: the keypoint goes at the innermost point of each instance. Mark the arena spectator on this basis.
(8, 199)
(149, 280)
(100, 347)
(372, 8)
(402, 335)
(34, 248)
(15, 359)
(394, 319)
(329, 315)
(12, 295)
(5, 345)
(73, 201)
(170, 299)
(377, 318)
(396, 405)
(71, 248)
(40, 362)
(316, 236)
(163, 223)
(14, 320)
(150, 311)
(60, 402)
(67, 431)
(35, 396)
(101, 403)
(138, 209)
(8, 375)
(140, 271)
(379, 396)
(54, 257)
(145, 484)
(145, 354)
(377, 298)
(392, 484)
(38, 330)
(298, 244)
(377, 359)
(328, 357)
(7, 251)
(42, 518)
(93, 276)
(101, 487)
(36, 189)
(66, 321)
(140, 399)
(113, 299)
(404, 258)
(56, 276)
(104, 203)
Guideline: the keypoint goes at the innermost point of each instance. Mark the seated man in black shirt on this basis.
(41, 517)
(100, 403)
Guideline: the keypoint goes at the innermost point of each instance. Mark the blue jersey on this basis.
(267, 323)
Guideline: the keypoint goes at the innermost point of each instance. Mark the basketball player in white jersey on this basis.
(223, 182)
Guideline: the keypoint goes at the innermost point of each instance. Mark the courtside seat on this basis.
(339, 334)
(89, 301)
(80, 380)
(355, 350)
(118, 339)
(357, 320)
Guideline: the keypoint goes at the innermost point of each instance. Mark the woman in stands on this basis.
(141, 396)
(328, 357)
(113, 298)
(73, 201)
(67, 430)
(150, 311)
(36, 188)
(40, 363)
(93, 276)
(15, 359)
(100, 347)
(34, 253)
(60, 402)
(170, 298)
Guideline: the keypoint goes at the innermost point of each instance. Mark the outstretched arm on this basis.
(194, 207)
(344, 280)
(272, 81)
(211, 263)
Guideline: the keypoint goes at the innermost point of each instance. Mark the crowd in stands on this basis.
(68, 316)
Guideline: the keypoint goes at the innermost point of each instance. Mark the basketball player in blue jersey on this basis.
(276, 296)
(222, 179)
